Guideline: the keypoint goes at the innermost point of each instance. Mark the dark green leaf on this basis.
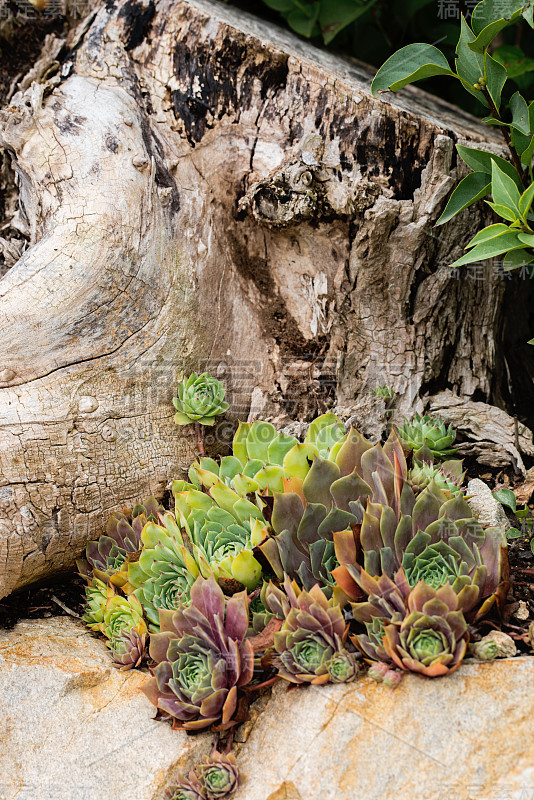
(520, 114)
(525, 201)
(487, 34)
(481, 161)
(303, 22)
(495, 122)
(506, 498)
(496, 75)
(516, 259)
(470, 189)
(469, 65)
(513, 533)
(504, 190)
(491, 232)
(524, 145)
(494, 247)
(489, 11)
(409, 64)
(522, 513)
(503, 211)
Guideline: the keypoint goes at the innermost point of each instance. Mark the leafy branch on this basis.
(510, 185)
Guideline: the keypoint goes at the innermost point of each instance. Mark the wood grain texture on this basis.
(179, 216)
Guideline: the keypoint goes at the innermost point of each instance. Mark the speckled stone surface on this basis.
(72, 727)
(469, 736)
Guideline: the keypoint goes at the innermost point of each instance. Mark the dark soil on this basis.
(44, 601)
(19, 52)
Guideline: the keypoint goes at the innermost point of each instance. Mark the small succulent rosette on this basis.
(200, 399)
(215, 778)
(429, 438)
(310, 645)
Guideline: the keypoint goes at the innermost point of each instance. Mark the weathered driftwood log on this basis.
(197, 188)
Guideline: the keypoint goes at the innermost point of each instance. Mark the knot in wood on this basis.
(6, 375)
(108, 432)
(87, 404)
(295, 191)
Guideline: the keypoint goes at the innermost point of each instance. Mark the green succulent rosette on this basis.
(166, 570)
(129, 648)
(203, 539)
(184, 790)
(215, 778)
(464, 555)
(432, 638)
(202, 657)
(96, 597)
(223, 529)
(310, 643)
(217, 775)
(420, 629)
(200, 399)
(439, 542)
(448, 477)
(122, 615)
(429, 438)
(222, 546)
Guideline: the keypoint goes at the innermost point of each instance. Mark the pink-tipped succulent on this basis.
(215, 778)
(217, 775)
(129, 649)
(202, 657)
(432, 638)
(311, 643)
(107, 558)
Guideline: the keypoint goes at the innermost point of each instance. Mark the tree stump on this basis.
(199, 189)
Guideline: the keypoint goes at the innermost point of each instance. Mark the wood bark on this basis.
(201, 190)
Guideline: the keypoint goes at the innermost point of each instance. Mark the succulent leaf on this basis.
(107, 558)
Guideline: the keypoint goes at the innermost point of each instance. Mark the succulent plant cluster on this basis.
(264, 460)
(378, 535)
(311, 641)
(293, 560)
(215, 778)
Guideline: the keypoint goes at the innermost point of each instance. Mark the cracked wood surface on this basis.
(200, 189)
